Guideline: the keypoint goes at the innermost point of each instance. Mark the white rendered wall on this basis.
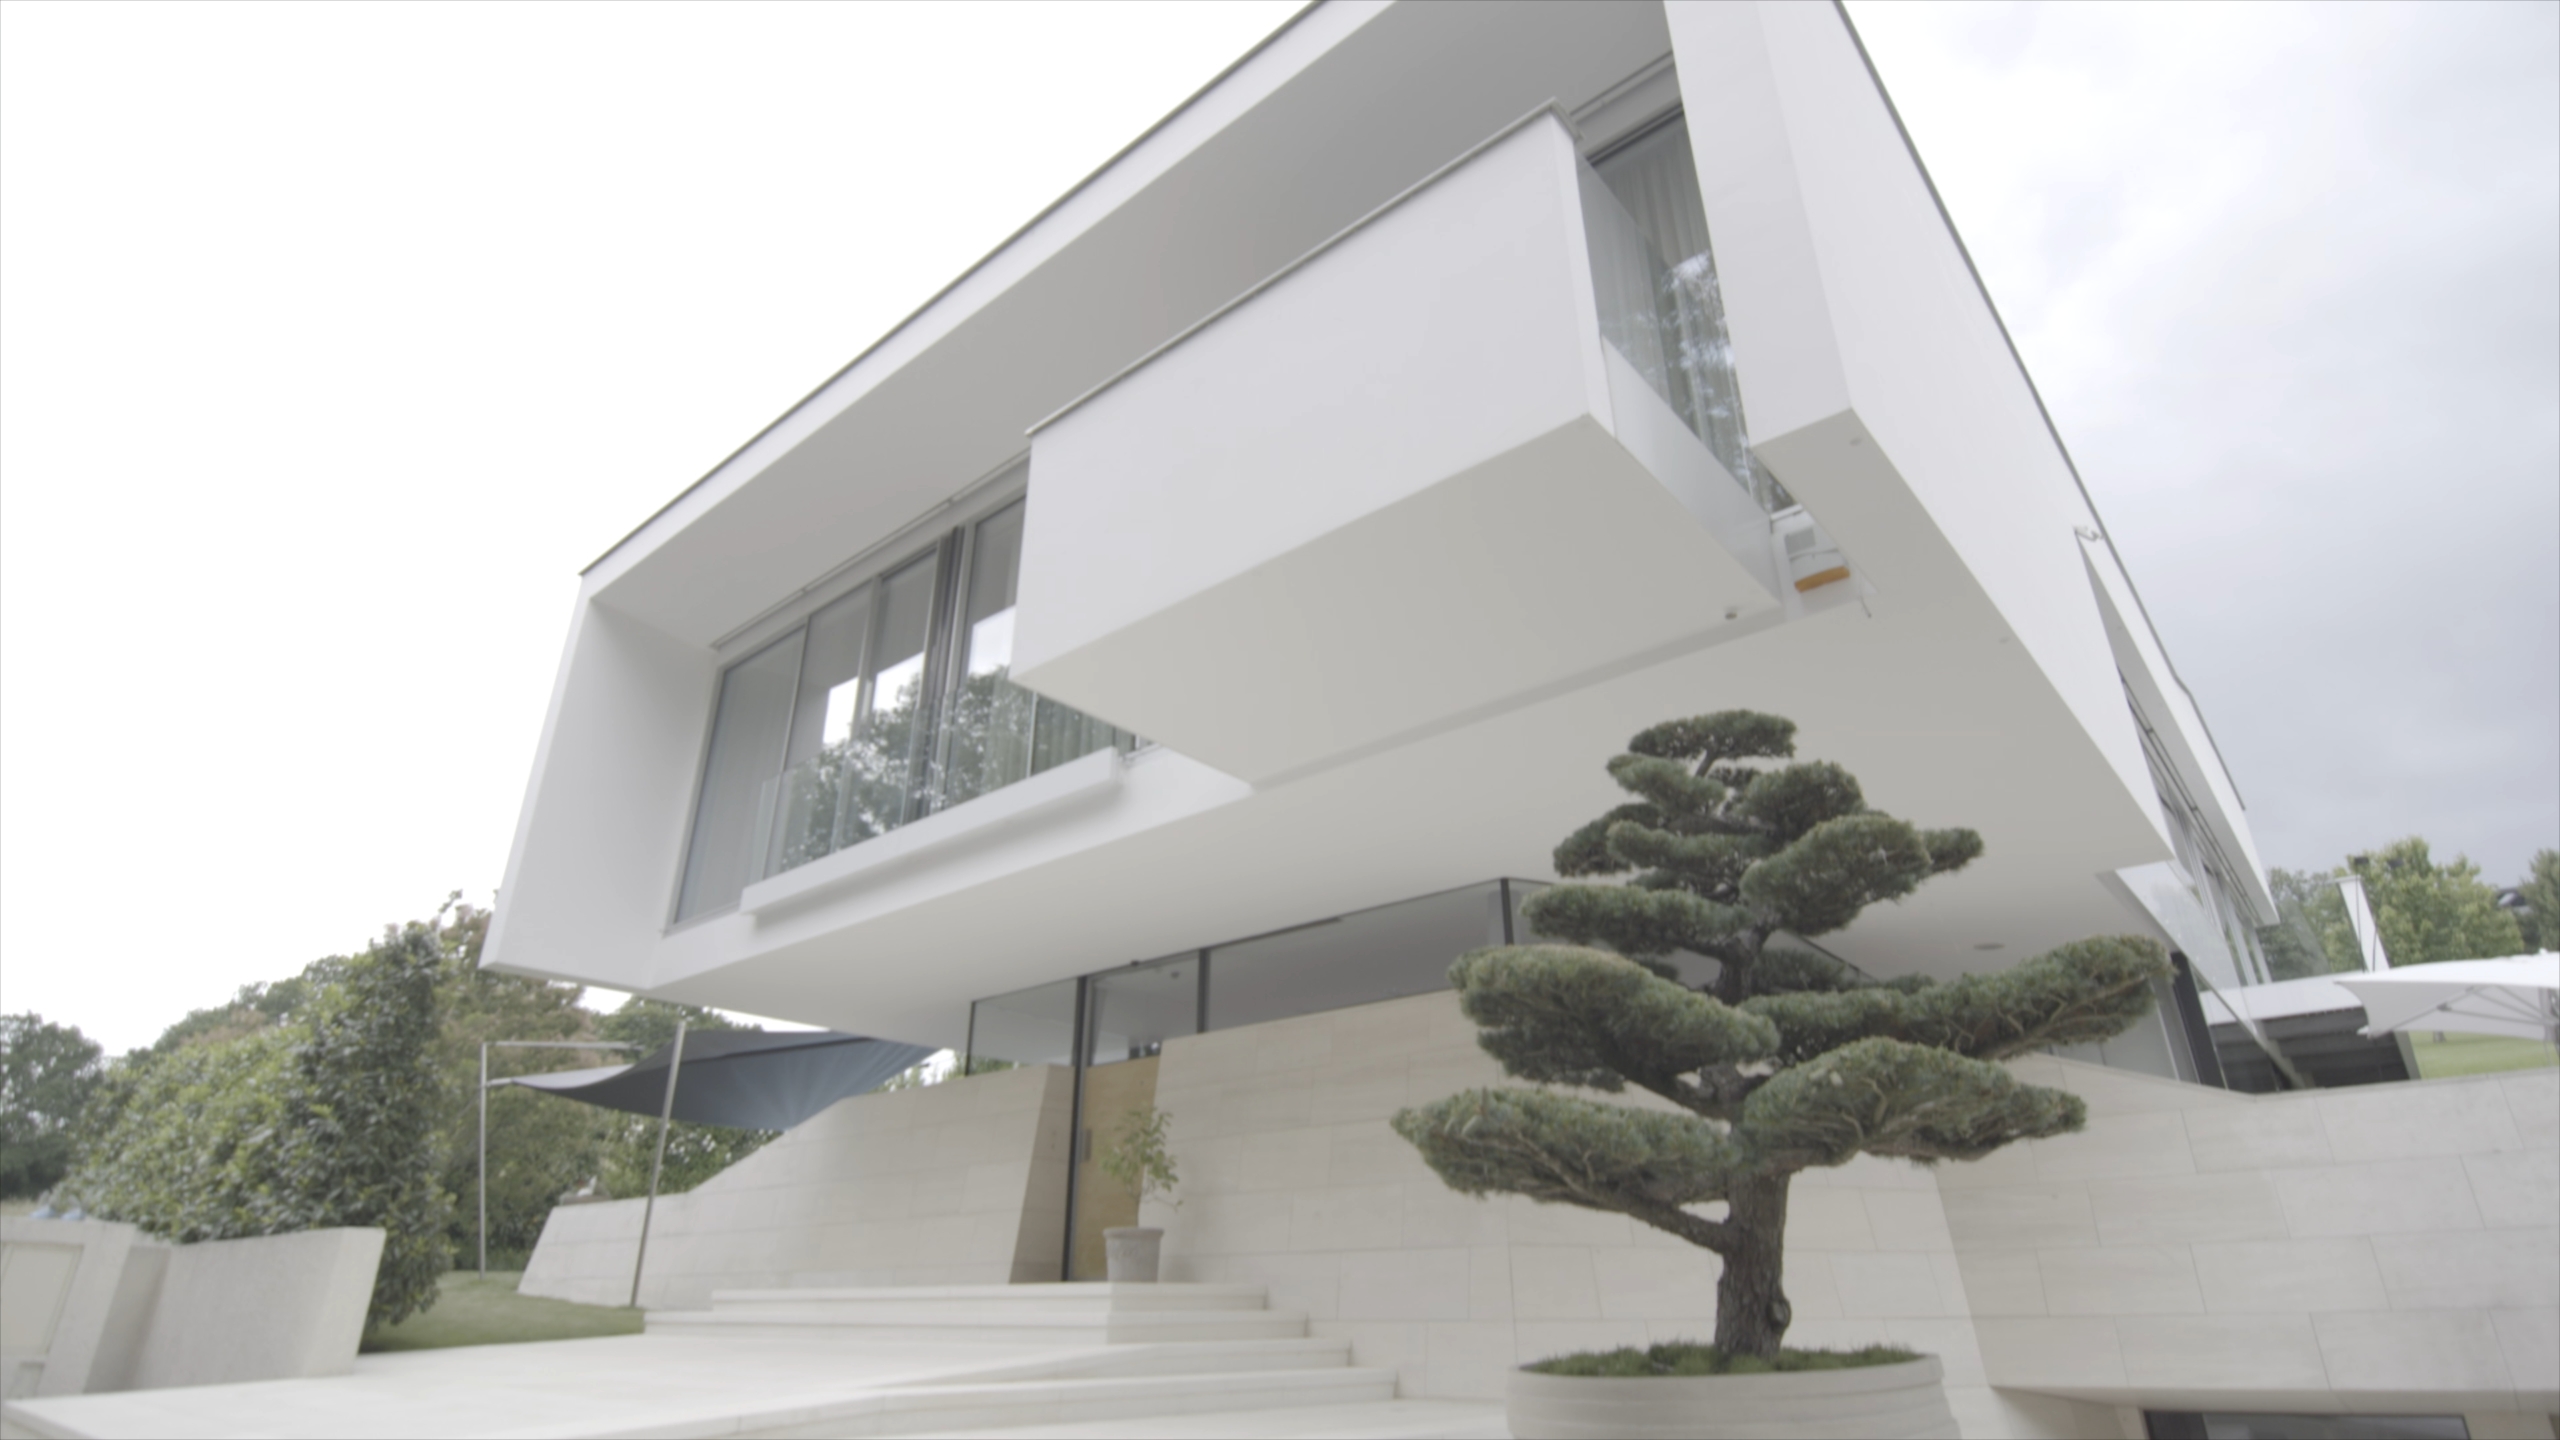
(1454, 328)
(590, 880)
(137, 1315)
(1875, 379)
(962, 1183)
(273, 1307)
(1329, 520)
(58, 1301)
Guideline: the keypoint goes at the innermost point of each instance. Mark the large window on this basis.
(1655, 276)
(890, 702)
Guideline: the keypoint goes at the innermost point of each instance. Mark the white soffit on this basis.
(1336, 115)
(1943, 724)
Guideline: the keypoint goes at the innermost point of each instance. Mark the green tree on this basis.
(325, 1119)
(1788, 1058)
(540, 1147)
(47, 1074)
(2307, 902)
(2539, 924)
(2427, 912)
(695, 1152)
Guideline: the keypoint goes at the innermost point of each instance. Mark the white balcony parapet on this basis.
(1402, 485)
(998, 813)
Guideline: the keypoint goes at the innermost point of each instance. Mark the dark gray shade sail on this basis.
(748, 1078)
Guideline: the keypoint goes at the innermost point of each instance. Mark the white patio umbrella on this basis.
(2518, 996)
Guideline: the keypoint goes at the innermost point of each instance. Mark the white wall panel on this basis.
(589, 884)
(1380, 495)
(1875, 377)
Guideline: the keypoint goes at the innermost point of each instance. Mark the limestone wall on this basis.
(90, 1306)
(958, 1183)
(1292, 1178)
(2388, 1248)
(2381, 1248)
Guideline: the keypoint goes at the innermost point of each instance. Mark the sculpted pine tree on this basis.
(1788, 1059)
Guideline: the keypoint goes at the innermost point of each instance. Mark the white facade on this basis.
(1284, 528)
(1336, 493)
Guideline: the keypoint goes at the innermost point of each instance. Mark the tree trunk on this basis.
(1751, 1302)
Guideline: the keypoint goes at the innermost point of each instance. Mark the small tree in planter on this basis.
(1787, 1059)
(1138, 1157)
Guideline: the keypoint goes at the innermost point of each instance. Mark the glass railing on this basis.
(873, 781)
(1667, 321)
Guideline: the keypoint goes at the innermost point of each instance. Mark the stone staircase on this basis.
(1086, 1314)
(1074, 1359)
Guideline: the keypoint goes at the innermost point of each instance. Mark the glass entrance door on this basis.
(1129, 1014)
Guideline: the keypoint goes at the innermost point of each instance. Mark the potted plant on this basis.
(1782, 1059)
(1135, 1157)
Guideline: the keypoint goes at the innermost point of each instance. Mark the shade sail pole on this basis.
(485, 1047)
(666, 1118)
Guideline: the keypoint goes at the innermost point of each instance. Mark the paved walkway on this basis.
(682, 1385)
(1389, 1420)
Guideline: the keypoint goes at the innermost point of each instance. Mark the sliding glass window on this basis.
(892, 701)
(747, 730)
(1654, 274)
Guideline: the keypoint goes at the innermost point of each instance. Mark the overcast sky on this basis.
(335, 339)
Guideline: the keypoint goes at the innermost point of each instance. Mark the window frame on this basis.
(948, 535)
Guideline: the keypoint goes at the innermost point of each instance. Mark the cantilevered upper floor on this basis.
(1295, 516)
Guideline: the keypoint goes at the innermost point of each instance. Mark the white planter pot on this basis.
(1886, 1402)
(1130, 1254)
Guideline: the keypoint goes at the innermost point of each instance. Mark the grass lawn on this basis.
(2459, 1054)
(473, 1311)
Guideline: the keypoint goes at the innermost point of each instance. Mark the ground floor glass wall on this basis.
(2235, 1425)
(1112, 1026)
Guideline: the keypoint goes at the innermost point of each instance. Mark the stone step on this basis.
(1366, 1420)
(941, 1409)
(1000, 1327)
(1183, 1357)
(1092, 1296)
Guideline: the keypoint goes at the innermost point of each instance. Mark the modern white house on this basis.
(1153, 661)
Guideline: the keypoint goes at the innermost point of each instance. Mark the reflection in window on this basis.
(1659, 302)
(890, 703)
(1132, 1012)
(999, 732)
(1027, 1027)
(747, 731)
(1381, 954)
(2235, 1425)
(853, 766)
(987, 744)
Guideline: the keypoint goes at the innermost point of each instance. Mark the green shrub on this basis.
(325, 1120)
(1683, 1357)
(1137, 1157)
